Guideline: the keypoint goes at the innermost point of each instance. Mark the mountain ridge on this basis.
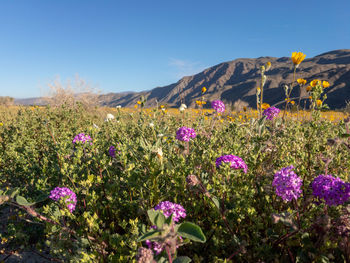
(235, 81)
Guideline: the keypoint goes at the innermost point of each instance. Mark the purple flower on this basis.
(287, 184)
(271, 112)
(169, 208)
(332, 189)
(63, 192)
(235, 162)
(185, 133)
(157, 247)
(112, 151)
(82, 137)
(218, 105)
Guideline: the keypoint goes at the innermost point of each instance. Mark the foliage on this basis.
(236, 212)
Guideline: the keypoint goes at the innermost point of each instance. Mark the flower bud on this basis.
(192, 180)
(144, 255)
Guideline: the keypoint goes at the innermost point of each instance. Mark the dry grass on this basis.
(72, 94)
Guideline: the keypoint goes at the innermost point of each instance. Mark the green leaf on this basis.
(13, 192)
(192, 232)
(152, 216)
(345, 135)
(22, 201)
(182, 259)
(156, 217)
(216, 202)
(169, 219)
(149, 235)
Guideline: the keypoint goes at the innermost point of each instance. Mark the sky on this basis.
(132, 45)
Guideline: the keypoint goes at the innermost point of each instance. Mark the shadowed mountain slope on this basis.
(237, 81)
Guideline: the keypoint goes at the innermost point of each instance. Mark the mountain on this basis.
(236, 81)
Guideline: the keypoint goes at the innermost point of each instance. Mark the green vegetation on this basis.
(238, 215)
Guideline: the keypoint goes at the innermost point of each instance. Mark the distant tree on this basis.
(72, 93)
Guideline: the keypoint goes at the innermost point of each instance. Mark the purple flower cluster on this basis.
(235, 162)
(271, 112)
(157, 247)
(112, 151)
(169, 208)
(82, 137)
(287, 184)
(62, 192)
(185, 134)
(332, 189)
(218, 105)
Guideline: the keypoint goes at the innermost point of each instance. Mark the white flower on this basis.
(160, 135)
(183, 107)
(159, 153)
(151, 125)
(119, 106)
(109, 117)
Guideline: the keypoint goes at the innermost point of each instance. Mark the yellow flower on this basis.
(292, 102)
(135, 106)
(265, 106)
(325, 84)
(310, 98)
(161, 106)
(301, 81)
(309, 88)
(204, 89)
(315, 82)
(138, 102)
(268, 65)
(319, 103)
(297, 58)
(199, 102)
(1, 124)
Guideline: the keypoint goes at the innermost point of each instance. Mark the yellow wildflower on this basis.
(325, 84)
(319, 103)
(315, 82)
(1, 124)
(309, 88)
(310, 98)
(199, 102)
(268, 65)
(204, 89)
(301, 81)
(138, 102)
(161, 106)
(297, 58)
(292, 102)
(135, 106)
(265, 106)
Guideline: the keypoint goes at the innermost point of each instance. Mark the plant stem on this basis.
(169, 255)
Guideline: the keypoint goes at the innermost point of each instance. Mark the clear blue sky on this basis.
(138, 45)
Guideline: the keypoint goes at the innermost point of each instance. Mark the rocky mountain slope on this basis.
(236, 81)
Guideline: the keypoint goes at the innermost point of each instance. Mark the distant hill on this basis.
(30, 101)
(237, 80)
